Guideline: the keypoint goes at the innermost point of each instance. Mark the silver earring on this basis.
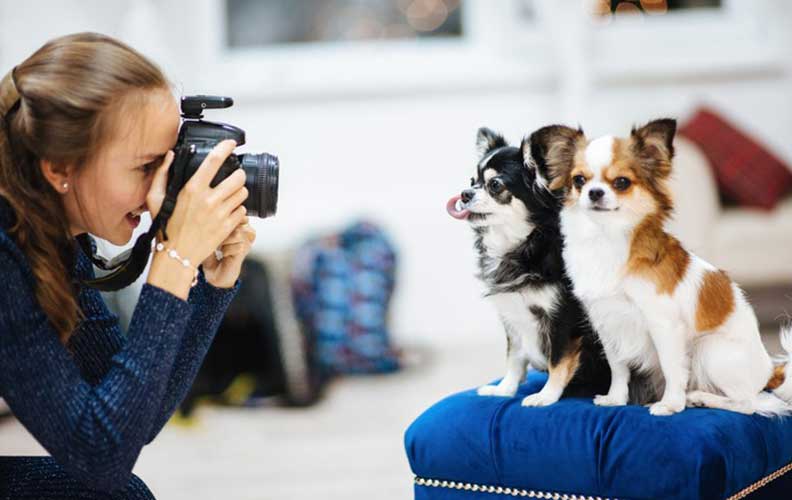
(65, 186)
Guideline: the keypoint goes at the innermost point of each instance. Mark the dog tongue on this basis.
(451, 206)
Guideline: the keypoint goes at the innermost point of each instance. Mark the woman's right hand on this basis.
(205, 216)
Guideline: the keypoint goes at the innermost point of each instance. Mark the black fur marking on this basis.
(537, 260)
(487, 140)
(535, 264)
(545, 321)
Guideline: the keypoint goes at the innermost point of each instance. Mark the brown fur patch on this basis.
(579, 167)
(646, 165)
(777, 379)
(623, 163)
(631, 160)
(715, 301)
(555, 148)
(654, 144)
(657, 256)
(651, 151)
(563, 371)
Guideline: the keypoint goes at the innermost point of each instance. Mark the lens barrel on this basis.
(261, 181)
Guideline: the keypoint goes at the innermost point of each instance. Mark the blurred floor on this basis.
(348, 447)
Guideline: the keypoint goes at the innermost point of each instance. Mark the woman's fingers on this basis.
(229, 185)
(159, 186)
(235, 219)
(232, 249)
(239, 241)
(243, 232)
(212, 163)
(235, 200)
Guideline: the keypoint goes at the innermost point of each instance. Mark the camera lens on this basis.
(261, 181)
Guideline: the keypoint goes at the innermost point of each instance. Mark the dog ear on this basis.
(654, 145)
(487, 140)
(551, 152)
(531, 173)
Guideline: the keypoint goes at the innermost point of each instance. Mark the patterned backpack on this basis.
(342, 286)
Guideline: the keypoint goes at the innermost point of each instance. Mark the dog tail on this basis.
(770, 405)
(781, 380)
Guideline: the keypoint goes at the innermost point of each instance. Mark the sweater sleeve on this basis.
(209, 307)
(98, 338)
(96, 431)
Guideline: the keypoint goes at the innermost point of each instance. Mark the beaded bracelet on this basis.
(185, 262)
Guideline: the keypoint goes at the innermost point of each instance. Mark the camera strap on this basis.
(129, 265)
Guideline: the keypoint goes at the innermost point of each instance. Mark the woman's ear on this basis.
(59, 176)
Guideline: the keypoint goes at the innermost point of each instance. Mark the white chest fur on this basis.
(596, 256)
(524, 328)
(500, 239)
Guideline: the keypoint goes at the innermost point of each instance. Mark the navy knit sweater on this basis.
(94, 403)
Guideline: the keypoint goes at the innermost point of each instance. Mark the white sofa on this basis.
(752, 245)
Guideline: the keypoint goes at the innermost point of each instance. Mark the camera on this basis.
(197, 138)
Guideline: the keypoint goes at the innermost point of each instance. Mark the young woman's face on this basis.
(115, 184)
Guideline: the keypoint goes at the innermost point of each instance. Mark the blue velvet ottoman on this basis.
(473, 447)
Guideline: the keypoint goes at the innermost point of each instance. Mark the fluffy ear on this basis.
(654, 145)
(487, 140)
(531, 174)
(551, 152)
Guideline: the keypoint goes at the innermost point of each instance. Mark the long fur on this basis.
(519, 246)
(658, 309)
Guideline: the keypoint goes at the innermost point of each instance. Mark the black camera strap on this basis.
(129, 265)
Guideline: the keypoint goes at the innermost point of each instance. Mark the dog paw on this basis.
(608, 400)
(539, 399)
(496, 390)
(665, 408)
(696, 399)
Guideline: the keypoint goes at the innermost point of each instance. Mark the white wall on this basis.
(396, 156)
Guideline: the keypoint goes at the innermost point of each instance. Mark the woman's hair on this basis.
(70, 94)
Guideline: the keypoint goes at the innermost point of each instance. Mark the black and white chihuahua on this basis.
(515, 218)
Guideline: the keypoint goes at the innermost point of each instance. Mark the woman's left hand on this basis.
(224, 273)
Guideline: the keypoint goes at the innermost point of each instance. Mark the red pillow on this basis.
(744, 170)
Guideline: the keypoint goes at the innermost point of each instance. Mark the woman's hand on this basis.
(203, 220)
(224, 273)
(204, 217)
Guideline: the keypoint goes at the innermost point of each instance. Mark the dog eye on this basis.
(496, 185)
(579, 181)
(472, 182)
(621, 183)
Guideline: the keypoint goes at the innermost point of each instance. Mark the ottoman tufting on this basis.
(474, 447)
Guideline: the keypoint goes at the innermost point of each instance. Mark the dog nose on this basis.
(595, 194)
(468, 195)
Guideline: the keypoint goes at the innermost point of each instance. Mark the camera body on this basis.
(196, 139)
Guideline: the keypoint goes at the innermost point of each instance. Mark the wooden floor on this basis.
(350, 446)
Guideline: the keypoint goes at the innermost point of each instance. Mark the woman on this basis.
(86, 128)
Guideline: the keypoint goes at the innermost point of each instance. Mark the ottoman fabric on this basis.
(575, 447)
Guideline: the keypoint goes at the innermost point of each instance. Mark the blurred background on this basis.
(372, 107)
